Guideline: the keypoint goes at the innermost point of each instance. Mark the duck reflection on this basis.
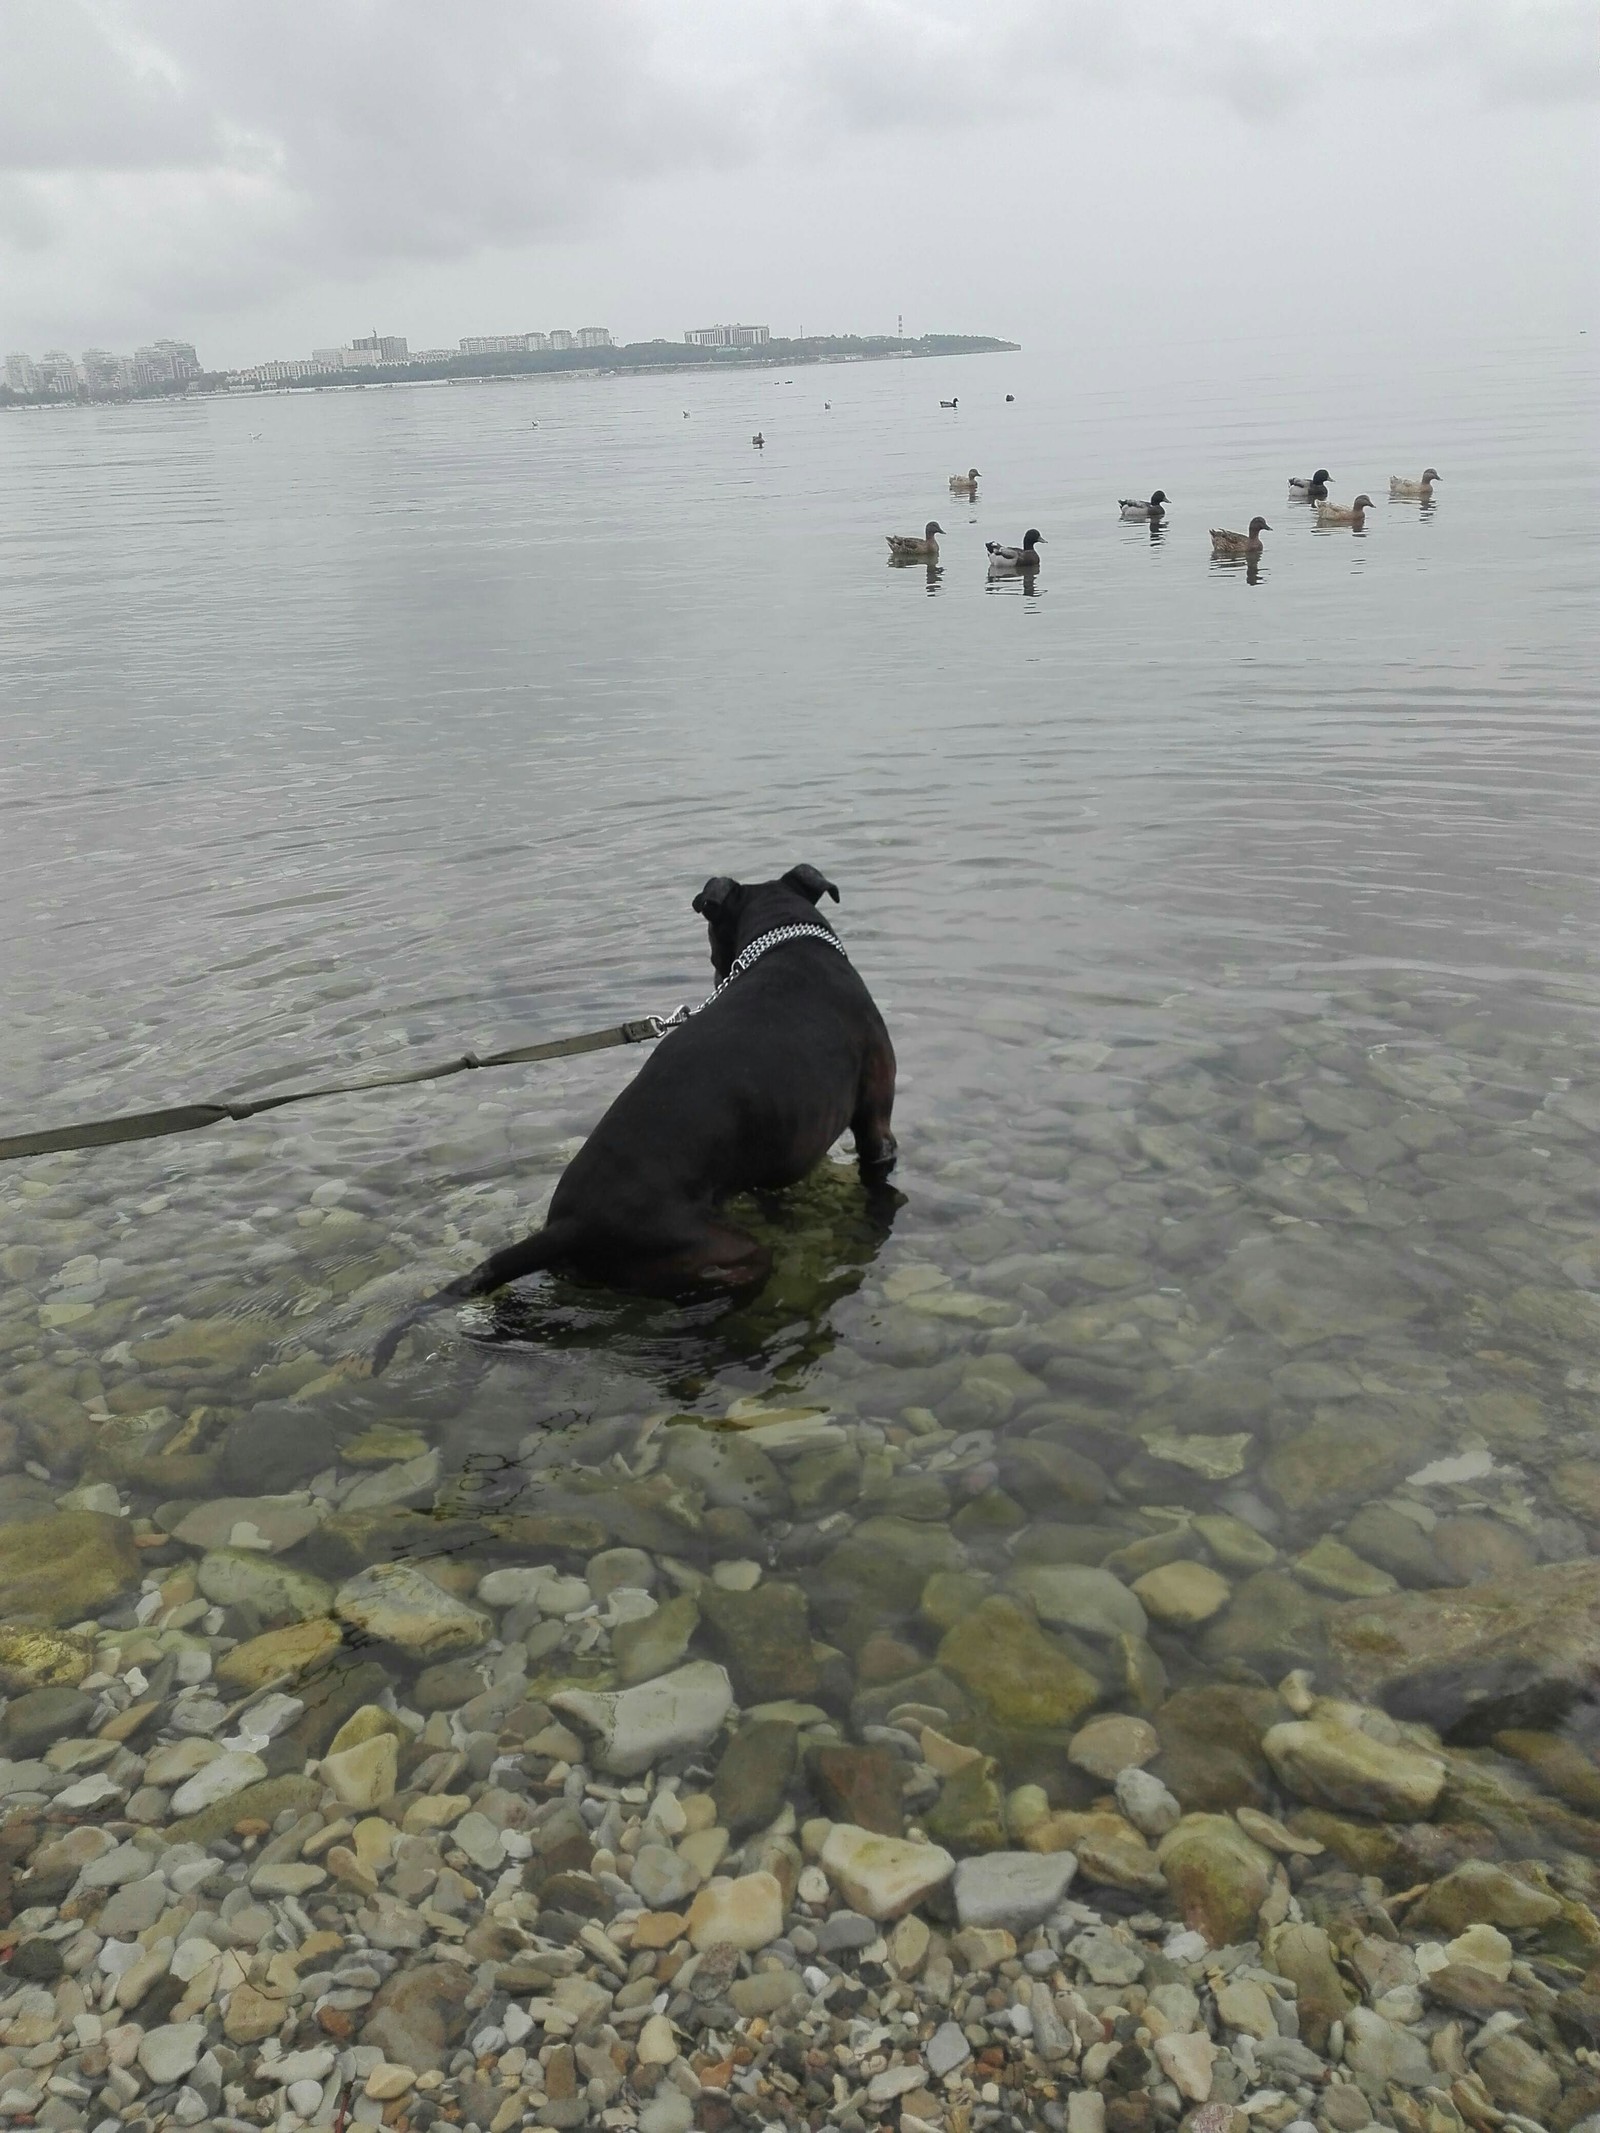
(1247, 567)
(1025, 582)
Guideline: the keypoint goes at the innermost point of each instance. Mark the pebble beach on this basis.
(956, 1763)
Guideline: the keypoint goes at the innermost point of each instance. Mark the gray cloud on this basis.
(159, 155)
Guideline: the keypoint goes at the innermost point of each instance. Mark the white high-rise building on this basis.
(594, 337)
(728, 336)
(21, 375)
(58, 373)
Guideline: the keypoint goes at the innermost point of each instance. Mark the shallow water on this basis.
(1235, 929)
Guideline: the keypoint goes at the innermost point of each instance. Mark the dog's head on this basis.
(735, 912)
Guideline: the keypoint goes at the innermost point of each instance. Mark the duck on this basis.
(1312, 491)
(758, 439)
(1156, 508)
(947, 403)
(1423, 489)
(915, 548)
(1010, 398)
(1024, 558)
(1225, 543)
(967, 483)
(1345, 514)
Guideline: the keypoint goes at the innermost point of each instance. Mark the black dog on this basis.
(746, 1096)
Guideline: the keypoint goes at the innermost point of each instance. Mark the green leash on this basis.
(190, 1118)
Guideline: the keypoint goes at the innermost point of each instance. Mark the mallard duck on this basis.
(1132, 508)
(966, 483)
(1312, 490)
(1345, 514)
(1024, 558)
(758, 438)
(1225, 543)
(912, 548)
(1423, 489)
(947, 403)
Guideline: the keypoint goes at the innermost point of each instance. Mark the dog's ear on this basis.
(810, 883)
(716, 896)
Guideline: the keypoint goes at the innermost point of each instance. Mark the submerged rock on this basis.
(1182, 1594)
(1340, 1458)
(61, 1569)
(401, 1605)
(1008, 1664)
(1481, 1893)
(1304, 1954)
(1473, 1660)
(274, 1591)
(882, 1876)
(41, 1658)
(656, 1643)
(1336, 1765)
(637, 1727)
(764, 1638)
(1211, 1746)
(1081, 1597)
(969, 1814)
(1219, 1876)
(754, 1775)
(1012, 1889)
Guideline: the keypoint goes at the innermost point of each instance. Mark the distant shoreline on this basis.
(635, 359)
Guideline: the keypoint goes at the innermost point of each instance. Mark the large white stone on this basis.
(219, 1779)
(170, 2052)
(637, 1727)
(398, 1604)
(1017, 1890)
(747, 1912)
(882, 1876)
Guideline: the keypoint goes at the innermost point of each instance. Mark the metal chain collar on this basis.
(742, 962)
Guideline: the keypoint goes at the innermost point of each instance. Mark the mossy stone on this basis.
(969, 1814)
(755, 1773)
(1021, 1678)
(764, 1638)
(67, 1567)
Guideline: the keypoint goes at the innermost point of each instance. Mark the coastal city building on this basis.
(727, 336)
(58, 373)
(593, 337)
(165, 363)
(559, 339)
(488, 344)
(384, 347)
(103, 375)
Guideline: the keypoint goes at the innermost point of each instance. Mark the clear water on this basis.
(1222, 919)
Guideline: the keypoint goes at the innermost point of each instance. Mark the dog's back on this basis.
(747, 1095)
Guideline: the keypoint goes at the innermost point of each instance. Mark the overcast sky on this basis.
(260, 178)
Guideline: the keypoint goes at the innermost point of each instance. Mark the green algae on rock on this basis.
(1219, 1876)
(1010, 1666)
(763, 1638)
(65, 1567)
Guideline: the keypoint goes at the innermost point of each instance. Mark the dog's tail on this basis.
(542, 1249)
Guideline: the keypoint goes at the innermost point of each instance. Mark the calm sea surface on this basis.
(1236, 930)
